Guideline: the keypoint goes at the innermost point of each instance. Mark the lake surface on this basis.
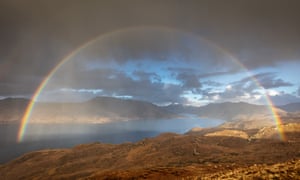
(48, 136)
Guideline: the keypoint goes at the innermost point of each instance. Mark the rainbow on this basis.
(28, 111)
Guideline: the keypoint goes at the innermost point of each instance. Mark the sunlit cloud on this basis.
(93, 91)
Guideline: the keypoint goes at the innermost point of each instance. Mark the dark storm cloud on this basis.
(22, 85)
(36, 34)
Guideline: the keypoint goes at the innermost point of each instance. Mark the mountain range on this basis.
(109, 109)
(97, 110)
(227, 110)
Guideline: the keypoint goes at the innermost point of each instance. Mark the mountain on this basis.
(231, 111)
(209, 155)
(227, 111)
(107, 109)
(127, 108)
(239, 115)
(97, 110)
(181, 109)
(292, 107)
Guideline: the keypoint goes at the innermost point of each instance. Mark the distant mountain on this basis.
(227, 111)
(231, 111)
(97, 110)
(293, 107)
(107, 109)
(181, 109)
(125, 108)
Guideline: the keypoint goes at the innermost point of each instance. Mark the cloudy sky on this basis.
(190, 52)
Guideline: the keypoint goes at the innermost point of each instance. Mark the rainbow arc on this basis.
(26, 116)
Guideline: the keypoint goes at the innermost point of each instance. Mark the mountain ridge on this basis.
(227, 111)
(107, 109)
(291, 107)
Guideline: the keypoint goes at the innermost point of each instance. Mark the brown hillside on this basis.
(166, 156)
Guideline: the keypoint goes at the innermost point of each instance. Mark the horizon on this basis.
(159, 105)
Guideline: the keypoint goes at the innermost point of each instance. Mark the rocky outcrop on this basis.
(230, 133)
(273, 132)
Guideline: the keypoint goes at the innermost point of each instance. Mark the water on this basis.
(40, 136)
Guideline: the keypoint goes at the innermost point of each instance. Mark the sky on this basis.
(170, 51)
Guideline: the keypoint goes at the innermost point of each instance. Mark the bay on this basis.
(53, 136)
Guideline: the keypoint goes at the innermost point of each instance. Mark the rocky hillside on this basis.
(203, 153)
(286, 170)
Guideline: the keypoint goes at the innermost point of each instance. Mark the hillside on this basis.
(207, 153)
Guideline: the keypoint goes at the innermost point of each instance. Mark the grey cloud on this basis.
(212, 83)
(206, 72)
(178, 70)
(113, 82)
(246, 85)
(269, 80)
(229, 95)
(147, 76)
(274, 83)
(266, 80)
(19, 85)
(189, 80)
